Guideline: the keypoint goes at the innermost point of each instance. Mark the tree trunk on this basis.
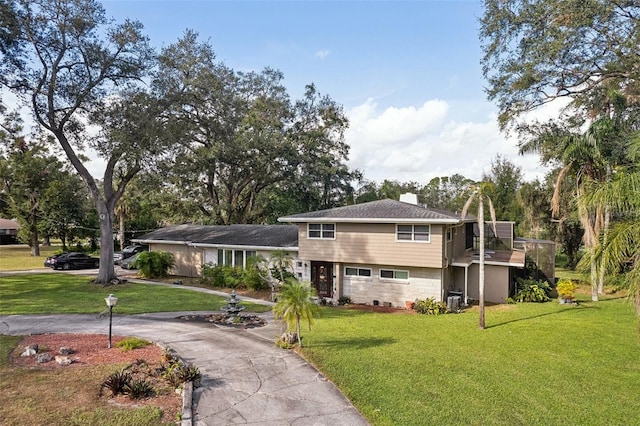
(481, 271)
(121, 232)
(594, 281)
(33, 225)
(107, 272)
(298, 330)
(605, 231)
(35, 246)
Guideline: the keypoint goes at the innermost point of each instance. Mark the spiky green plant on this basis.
(138, 389)
(295, 304)
(116, 382)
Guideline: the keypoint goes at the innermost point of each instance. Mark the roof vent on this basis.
(409, 198)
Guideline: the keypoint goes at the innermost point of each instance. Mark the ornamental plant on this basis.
(430, 307)
(295, 304)
(566, 289)
(154, 264)
(532, 291)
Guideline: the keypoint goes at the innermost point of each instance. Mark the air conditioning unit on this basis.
(453, 303)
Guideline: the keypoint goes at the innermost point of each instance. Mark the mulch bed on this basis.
(88, 349)
(91, 350)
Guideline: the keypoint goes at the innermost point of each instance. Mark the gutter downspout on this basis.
(466, 284)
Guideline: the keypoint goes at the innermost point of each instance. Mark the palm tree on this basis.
(479, 191)
(621, 248)
(582, 157)
(588, 158)
(295, 304)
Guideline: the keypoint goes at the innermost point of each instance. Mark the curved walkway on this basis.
(246, 379)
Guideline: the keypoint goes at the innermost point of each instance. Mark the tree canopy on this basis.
(68, 61)
(536, 51)
(243, 146)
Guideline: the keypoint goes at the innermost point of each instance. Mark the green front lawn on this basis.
(71, 294)
(18, 258)
(535, 364)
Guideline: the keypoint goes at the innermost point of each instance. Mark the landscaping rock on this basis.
(63, 360)
(65, 351)
(43, 357)
(30, 350)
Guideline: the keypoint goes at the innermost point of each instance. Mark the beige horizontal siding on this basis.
(188, 259)
(373, 244)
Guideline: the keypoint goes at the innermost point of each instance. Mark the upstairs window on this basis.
(419, 233)
(325, 231)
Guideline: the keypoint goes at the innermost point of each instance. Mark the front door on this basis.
(322, 278)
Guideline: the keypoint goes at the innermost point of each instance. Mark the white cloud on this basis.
(418, 144)
(321, 54)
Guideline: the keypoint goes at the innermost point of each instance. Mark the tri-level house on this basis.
(389, 252)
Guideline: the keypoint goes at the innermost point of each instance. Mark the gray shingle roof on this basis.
(377, 211)
(232, 235)
(9, 224)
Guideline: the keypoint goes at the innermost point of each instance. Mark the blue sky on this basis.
(407, 73)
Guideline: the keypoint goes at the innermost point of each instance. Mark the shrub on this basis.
(154, 264)
(566, 289)
(532, 291)
(223, 276)
(177, 373)
(232, 280)
(131, 343)
(190, 373)
(325, 302)
(344, 300)
(430, 307)
(116, 383)
(138, 388)
(212, 275)
(251, 275)
(168, 356)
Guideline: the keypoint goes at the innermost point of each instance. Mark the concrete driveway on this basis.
(246, 379)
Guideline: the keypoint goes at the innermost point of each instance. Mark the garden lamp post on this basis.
(111, 302)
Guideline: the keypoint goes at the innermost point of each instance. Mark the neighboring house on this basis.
(9, 231)
(196, 245)
(389, 252)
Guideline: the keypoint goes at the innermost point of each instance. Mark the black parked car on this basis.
(51, 260)
(72, 261)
